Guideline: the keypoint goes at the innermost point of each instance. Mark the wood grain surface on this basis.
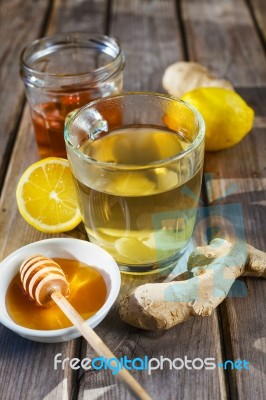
(14, 35)
(238, 175)
(227, 37)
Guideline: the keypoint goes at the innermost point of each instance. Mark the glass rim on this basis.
(154, 164)
(118, 61)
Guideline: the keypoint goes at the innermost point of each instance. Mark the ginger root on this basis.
(181, 77)
(214, 268)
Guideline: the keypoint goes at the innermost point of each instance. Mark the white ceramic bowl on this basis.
(81, 250)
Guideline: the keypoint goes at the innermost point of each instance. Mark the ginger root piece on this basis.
(159, 306)
(181, 77)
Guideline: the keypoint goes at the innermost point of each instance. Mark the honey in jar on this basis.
(49, 118)
(63, 72)
(87, 294)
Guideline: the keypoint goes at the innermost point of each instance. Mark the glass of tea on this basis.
(64, 72)
(137, 161)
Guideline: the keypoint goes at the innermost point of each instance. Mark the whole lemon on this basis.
(227, 116)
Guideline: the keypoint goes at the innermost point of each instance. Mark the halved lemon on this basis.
(46, 196)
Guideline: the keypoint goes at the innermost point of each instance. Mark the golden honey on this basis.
(87, 294)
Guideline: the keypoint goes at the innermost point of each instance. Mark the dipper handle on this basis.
(98, 345)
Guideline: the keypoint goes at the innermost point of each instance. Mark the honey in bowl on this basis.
(87, 294)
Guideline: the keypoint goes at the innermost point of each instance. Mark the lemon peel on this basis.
(227, 116)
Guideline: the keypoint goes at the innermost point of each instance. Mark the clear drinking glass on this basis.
(64, 72)
(137, 161)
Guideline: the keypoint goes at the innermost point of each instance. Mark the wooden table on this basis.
(227, 36)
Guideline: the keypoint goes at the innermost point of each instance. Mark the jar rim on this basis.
(199, 138)
(56, 42)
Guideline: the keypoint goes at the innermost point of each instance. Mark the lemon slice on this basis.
(46, 196)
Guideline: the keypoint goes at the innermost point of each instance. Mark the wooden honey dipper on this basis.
(44, 281)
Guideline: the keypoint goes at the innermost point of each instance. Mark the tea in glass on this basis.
(132, 180)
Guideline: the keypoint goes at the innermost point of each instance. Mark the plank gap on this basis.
(227, 351)
(108, 17)
(46, 19)
(75, 374)
(256, 24)
(9, 148)
(182, 30)
(227, 378)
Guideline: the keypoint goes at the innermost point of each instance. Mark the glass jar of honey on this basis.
(64, 72)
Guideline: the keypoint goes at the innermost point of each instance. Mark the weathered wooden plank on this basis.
(246, 175)
(28, 364)
(194, 339)
(197, 338)
(149, 35)
(27, 368)
(24, 154)
(14, 35)
(69, 15)
(221, 35)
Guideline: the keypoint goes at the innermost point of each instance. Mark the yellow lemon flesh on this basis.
(227, 116)
(46, 196)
